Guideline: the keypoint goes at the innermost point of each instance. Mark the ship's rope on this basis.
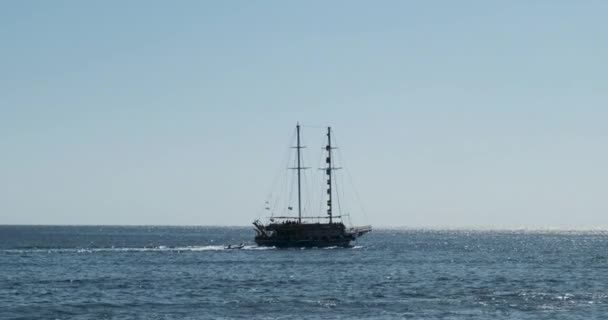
(305, 183)
(292, 187)
(335, 179)
(321, 178)
(314, 126)
(273, 198)
(352, 184)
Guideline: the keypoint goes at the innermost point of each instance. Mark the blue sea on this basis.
(156, 272)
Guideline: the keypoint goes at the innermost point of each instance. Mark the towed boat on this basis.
(234, 246)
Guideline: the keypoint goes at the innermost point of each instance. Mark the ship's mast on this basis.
(328, 172)
(298, 147)
(299, 168)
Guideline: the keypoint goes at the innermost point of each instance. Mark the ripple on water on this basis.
(173, 272)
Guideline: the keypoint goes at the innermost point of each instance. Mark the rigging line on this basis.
(291, 187)
(306, 189)
(281, 197)
(280, 172)
(305, 185)
(281, 193)
(314, 126)
(338, 194)
(350, 178)
(346, 208)
(277, 196)
(319, 191)
(336, 181)
(309, 181)
(303, 177)
(285, 161)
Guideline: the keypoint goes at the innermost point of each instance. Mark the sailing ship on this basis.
(309, 231)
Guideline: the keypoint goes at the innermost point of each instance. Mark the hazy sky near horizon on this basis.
(448, 113)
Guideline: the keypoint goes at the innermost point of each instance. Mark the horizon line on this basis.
(378, 227)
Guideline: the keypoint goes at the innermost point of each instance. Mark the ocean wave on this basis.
(135, 249)
(156, 249)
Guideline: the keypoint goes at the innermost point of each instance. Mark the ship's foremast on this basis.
(299, 169)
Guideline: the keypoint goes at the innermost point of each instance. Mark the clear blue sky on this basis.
(449, 113)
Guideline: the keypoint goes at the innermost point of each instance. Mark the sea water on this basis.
(100, 272)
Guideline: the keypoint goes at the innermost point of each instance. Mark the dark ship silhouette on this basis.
(306, 231)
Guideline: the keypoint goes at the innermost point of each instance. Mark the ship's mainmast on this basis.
(328, 171)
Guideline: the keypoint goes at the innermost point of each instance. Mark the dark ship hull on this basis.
(306, 235)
